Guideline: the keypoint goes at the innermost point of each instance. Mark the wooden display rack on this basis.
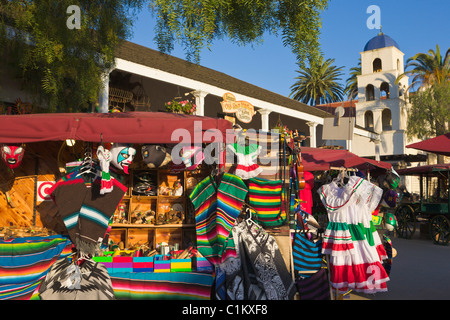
(152, 231)
(20, 209)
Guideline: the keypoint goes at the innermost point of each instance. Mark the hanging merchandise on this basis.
(390, 221)
(258, 272)
(216, 205)
(155, 156)
(391, 253)
(351, 241)
(389, 199)
(192, 157)
(104, 157)
(84, 211)
(305, 194)
(298, 163)
(12, 155)
(265, 196)
(69, 281)
(122, 156)
(306, 250)
(246, 155)
(145, 184)
(315, 287)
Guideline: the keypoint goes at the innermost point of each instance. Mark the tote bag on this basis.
(315, 287)
(307, 253)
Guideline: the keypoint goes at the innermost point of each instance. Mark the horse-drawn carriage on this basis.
(430, 209)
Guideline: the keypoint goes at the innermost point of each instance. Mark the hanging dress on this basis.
(373, 195)
(216, 208)
(246, 167)
(349, 239)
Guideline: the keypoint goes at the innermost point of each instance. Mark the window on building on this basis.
(384, 90)
(386, 119)
(368, 120)
(377, 65)
(398, 64)
(370, 93)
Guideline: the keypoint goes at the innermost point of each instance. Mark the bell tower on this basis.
(381, 103)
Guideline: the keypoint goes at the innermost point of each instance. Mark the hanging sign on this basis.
(244, 110)
(42, 190)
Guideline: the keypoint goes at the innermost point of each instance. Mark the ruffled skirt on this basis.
(355, 258)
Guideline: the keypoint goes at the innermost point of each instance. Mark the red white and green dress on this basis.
(351, 241)
(246, 156)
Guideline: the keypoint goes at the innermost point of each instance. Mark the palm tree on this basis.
(351, 87)
(428, 68)
(318, 83)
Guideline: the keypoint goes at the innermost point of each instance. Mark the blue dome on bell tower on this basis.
(380, 41)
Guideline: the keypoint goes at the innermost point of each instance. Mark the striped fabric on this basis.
(216, 209)
(352, 242)
(85, 212)
(307, 254)
(24, 263)
(175, 286)
(315, 287)
(266, 197)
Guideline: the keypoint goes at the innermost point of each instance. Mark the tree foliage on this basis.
(62, 66)
(195, 24)
(351, 86)
(428, 68)
(318, 83)
(429, 115)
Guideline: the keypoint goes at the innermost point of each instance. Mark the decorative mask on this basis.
(122, 155)
(12, 155)
(192, 157)
(155, 156)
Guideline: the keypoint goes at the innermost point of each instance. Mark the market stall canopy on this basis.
(318, 159)
(438, 145)
(427, 169)
(121, 127)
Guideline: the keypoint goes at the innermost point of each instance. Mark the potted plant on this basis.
(184, 106)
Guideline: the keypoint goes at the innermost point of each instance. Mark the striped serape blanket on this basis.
(24, 263)
(217, 205)
(265, 196)
(166, 285)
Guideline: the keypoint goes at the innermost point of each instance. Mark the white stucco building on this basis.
(381, 107)
(382, 103)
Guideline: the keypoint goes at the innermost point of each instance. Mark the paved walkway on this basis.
(420, 271)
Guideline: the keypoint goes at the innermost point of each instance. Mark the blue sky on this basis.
(416, 25)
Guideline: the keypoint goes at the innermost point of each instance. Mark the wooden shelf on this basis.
(159, 204)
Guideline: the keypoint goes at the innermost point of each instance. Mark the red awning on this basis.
(424, 169)
(122, 127)
(317, 159)
(438, 145)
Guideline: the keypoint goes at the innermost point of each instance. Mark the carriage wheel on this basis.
(440, 229)
(406, 219)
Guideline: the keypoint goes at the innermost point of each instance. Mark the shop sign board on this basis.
(244, 110)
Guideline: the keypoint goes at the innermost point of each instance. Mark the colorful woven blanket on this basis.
(24, 263)
(175, 285)
(265, 196)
